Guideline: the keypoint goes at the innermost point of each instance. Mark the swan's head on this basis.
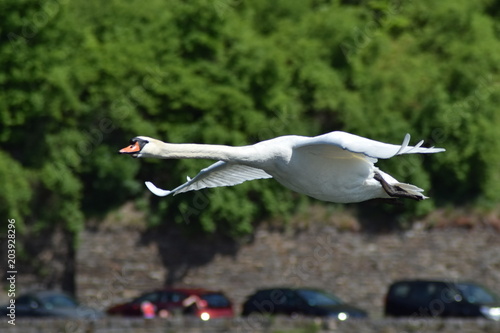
(138, 147)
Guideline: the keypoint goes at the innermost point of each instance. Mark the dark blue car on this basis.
(300, 301)
(440, 298)
(51, 304)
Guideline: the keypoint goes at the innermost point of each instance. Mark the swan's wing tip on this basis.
(435, 150)
(157, 191)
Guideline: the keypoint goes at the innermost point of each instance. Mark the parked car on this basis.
(434, 298)
(201, 303)
(49, 303)
(300, 301)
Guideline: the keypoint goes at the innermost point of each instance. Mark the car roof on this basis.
(43, 293)
(446, 281)
(289, 288)
(285, 289)
(191, 291)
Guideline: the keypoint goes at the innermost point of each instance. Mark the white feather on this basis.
(218, 174)
(157, 191)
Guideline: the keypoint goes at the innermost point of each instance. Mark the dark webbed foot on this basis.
(395, 191)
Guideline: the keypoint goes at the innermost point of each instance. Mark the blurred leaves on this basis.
(81, 78)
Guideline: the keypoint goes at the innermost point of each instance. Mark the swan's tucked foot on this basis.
(156, 190)
(396, 191)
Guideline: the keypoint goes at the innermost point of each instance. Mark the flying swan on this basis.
(337, 166)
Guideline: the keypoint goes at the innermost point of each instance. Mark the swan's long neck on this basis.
(159, 149)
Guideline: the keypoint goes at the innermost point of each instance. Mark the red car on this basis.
(201, 303)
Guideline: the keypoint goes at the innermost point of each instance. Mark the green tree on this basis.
(83, 77)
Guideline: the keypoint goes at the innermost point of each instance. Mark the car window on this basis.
(216, 300)
(24, 300)
(262, 295)
(28, 301)
(151, 297)
(401, 290)
(58, 301)
(318, 298)
(176, 297)
(276, 296)
(424, 293)
(476, 294)
(291, 298)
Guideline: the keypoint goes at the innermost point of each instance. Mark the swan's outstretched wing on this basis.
(368, 147)
(218, 174)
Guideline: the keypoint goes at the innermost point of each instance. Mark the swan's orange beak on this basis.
(133, 148)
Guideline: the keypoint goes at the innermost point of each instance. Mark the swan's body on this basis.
(336, 167)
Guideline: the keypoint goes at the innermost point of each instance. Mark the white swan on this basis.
(337, 166)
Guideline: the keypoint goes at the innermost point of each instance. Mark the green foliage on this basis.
(16, 192)
(83, 77)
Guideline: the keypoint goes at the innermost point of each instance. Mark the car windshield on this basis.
(58, 301)
(319, 298)
(477, 294)
(216, 300)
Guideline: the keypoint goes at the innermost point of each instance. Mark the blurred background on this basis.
(80, 78)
